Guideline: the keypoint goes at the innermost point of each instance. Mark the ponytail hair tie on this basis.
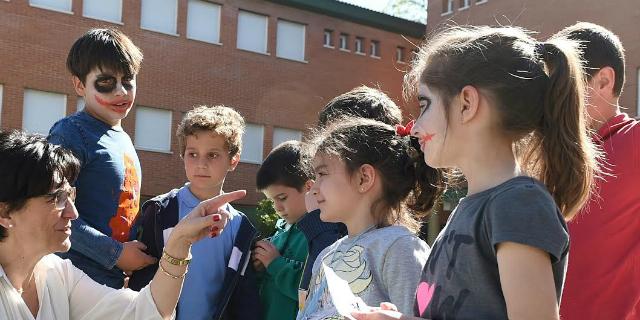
(404, 131)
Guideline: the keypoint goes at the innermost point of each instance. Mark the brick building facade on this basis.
(547, 17)
(277, 96)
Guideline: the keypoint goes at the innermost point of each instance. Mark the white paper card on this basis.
(234, 260)
(246, 263)
(343, 299)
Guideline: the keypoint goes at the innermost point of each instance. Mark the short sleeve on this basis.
(527, 214)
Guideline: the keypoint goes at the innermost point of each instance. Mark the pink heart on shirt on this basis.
(424, 295)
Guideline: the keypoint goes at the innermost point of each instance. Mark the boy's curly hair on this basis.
(221, 120)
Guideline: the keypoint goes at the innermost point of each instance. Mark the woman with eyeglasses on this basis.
(36, 209)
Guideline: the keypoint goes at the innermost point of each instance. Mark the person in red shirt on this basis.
(603, 276)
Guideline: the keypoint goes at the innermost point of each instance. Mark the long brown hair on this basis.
(409, 187)
(538, 89)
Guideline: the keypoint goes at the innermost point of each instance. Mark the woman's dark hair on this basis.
(106, 49)
(538, 90)
(31, 167)
(409, 186)
(288, 164)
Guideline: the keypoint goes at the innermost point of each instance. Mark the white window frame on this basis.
(278, 39)
(61, 112)
(465, 5)
(344, 42)
(358, 46)
(374, 49)
(138, 136)
(449, 7)
(481, 1)
(80, 104)
(116, 21)
(174, 32)
(68, 10)
(328, 34)
(400, 55)
(260, 139)
(190, 29)
(266, 32)
(288, 133)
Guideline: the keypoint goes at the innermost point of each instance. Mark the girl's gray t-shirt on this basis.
(379, 265)
(460, 279)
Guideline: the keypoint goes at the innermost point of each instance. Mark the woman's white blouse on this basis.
(65, 292)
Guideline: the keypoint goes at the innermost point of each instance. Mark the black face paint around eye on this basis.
(127, 85)
(105, 84)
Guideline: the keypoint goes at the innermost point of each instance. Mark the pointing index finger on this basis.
(212, 205)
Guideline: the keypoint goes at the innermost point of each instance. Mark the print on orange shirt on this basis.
(128, 204)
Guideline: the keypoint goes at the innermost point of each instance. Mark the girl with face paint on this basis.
(507, 111)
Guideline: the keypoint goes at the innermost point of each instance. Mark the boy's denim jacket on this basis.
(240, 298)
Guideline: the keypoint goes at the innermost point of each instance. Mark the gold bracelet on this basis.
(176, 261)
(170, 275)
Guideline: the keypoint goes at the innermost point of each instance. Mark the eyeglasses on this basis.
(61, 196)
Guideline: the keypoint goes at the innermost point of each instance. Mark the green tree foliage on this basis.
(414, 10)
(267, 217)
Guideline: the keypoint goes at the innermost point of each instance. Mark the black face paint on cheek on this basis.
(105, 84)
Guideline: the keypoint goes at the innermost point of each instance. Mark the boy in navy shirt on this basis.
(104, 64)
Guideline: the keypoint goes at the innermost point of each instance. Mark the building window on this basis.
(481, 1)
(375, 49)
(344, 42)
(290, 40)
(55, 5)
(42, 109)
(252, 143)
(153, 129)
(203, 21)
(252, 32)
(400, 54)
(79, 104)
(447, 7)
(159, 15)
(328, 38)
(359, 45)
(464, 4)
(281, 135)
(103, 10)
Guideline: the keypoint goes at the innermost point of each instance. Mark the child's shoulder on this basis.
(390, 233)
(163, 198)
(71, 124)
(79, 120)
(379, 238)
(382, 239)
(525, 189)
(234, 212)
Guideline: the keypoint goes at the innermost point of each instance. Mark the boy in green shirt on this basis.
(284, 177)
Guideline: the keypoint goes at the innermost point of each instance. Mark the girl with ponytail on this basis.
(507, 111)
(370, 177)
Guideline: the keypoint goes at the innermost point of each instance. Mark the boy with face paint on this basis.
(104, 64)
